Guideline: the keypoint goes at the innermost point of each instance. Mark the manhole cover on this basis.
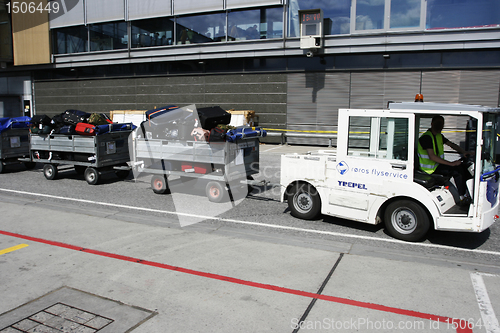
(60, 318)
(73, 311)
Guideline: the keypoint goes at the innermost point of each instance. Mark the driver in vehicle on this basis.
(431, 158)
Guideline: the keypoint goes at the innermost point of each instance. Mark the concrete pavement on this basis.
(129, 274)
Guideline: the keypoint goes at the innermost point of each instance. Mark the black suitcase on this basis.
(73, 117)
(212, 116)
(40, 119)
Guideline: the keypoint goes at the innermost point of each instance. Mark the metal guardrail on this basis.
(285, 135)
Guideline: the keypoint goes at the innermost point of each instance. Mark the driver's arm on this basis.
(458, 149)
(439, 160)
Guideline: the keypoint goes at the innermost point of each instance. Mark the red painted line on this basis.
(461, 325)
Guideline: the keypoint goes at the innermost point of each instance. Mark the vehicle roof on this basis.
(430, 106)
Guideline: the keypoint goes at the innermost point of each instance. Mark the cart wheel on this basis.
(2, 167)
(91, 176)
(30, 165)
(406, 220)
(304, 201)
(80, 169)
(216, 192)
(159, 184)
(250, 187)
(50, 171)
(122, 174)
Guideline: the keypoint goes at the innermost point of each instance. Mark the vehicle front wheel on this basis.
(159, 184)
(91, 176)
(304, 201)
(406, 220)
(50, 171)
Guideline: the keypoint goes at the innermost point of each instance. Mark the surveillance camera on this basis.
(310, 54)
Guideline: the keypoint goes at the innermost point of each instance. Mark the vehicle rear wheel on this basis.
(406, 220)
(304, 201)
(215, 192)
(91, 176)
(159, 184)
(50, 171)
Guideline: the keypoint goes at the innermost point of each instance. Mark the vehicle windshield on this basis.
(489, 142)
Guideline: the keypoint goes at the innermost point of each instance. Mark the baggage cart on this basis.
(215, 164)
(91, 156)
(15, 145)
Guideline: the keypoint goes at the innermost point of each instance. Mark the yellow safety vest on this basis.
(426, 164)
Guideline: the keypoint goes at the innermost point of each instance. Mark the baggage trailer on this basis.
(15, 145)
(91, 156)
(215, 163)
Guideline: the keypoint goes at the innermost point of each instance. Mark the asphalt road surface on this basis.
(261, 214)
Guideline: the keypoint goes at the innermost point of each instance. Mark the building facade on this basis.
(108, 55)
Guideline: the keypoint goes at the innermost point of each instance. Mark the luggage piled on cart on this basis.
(193, 144)
(91, 143)
(14, 141)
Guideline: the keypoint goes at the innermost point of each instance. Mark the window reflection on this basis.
(108, 36)
(70, 40)
(370, 14)
(201, 29)
(256, 24)
(337, 14)
(443, 14)
(152, 32)
(405, 13)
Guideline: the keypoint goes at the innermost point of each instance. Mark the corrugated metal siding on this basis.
(263, 93)
(313, 101)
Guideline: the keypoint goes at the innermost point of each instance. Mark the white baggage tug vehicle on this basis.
(372, 176)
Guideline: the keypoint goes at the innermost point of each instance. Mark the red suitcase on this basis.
(85, 129)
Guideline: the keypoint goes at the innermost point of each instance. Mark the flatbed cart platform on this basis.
(216, 163)
(15, 145)
(91, 156)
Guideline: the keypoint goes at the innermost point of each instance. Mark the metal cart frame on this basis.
(15, 145)
(89, 155)
(224, 162)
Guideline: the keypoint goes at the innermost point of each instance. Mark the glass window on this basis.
(70, 40)
(152, 32)
(108, 36)
(405, 13)
(201, 29)
(370, 14)
(336, 13)
(256, 24)
(443, 14)
(390, 141)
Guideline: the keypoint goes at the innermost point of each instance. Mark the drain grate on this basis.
(60, 318)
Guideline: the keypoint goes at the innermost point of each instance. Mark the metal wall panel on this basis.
(441, 86)
(196, 6)
(313, 102)
(65, 17)
(104, 11)
(479, 87)
(234, 4)
(142, 9)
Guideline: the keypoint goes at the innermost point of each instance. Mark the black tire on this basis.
(91, 176)
(2, 167)
(216, 192)
(159, 184)
(250, 187)
(406, 220)
(29, 165)
(122, 174)
(80, 169)
(50, 171)
(304, 201)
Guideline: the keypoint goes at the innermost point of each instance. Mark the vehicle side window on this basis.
(378, 137)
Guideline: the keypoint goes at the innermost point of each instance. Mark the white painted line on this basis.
(319, 232)
(490, 321)
(265, 151)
